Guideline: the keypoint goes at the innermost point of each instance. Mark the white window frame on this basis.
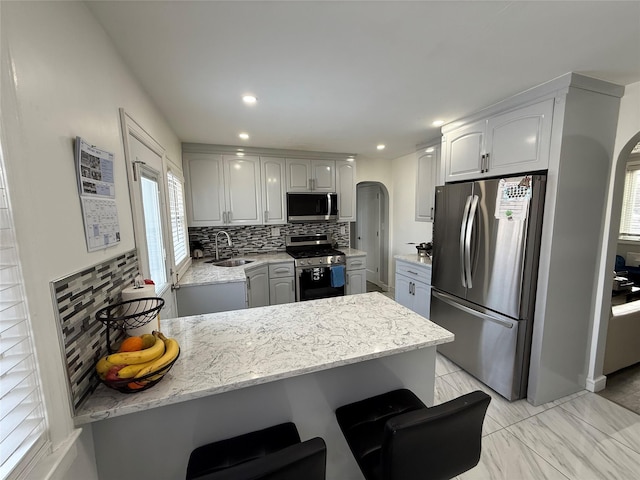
(22, 412)
(178, 221)
(631, 203)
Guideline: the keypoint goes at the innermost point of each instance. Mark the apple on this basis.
(112, 373)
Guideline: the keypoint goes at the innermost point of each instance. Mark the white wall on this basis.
(61, 77)
(628, 128)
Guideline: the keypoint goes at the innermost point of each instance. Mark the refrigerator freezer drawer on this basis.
(489, 346)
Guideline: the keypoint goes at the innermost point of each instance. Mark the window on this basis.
(630, 219)
(23, 428)
(153, 225)
(178, 220)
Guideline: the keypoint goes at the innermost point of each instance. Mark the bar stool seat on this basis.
(394, 436)
(273, 453)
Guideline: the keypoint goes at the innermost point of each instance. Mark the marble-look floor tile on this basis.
(606, 416)
(562, 400)
(443, 392)
(504, 457)
(501, 410)
(577, 449)
(445, 366)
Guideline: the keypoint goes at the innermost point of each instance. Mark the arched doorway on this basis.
(372, 230)
(596, 381)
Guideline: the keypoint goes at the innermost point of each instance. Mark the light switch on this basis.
(275, 232)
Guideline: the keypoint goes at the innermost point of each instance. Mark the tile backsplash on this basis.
(76, 299)
(259, 238)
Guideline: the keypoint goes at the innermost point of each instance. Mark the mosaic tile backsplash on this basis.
(76, 299)
(258, 238)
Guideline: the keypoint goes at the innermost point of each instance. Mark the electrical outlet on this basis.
(343, 230)
(275, 232)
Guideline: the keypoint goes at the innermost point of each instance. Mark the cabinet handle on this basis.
(432, 212)
(224, 217)
(293, 288)
(229, 216)
(266, 215)
(413, 273)
(248, 283)
(482, 164)
(486, 162)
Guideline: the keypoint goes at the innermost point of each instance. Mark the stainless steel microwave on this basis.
(312, 207)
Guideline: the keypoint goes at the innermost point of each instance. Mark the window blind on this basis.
(178, 218)
(23, 428)
(630, 217)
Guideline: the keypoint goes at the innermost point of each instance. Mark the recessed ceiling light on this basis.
(430, 149)
(380, 147)
(249, 99)
(438, 123)
(240, 154)
(350, 159)
(244, 136)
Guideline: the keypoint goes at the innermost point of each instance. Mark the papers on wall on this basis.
(512, 200)
(96, 186)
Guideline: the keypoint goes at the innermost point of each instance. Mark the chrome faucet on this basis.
(228, 241)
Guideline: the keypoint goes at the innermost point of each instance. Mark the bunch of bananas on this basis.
(135, 368)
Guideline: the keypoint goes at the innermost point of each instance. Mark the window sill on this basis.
(55, 464)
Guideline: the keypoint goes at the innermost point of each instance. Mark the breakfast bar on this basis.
(248, 369)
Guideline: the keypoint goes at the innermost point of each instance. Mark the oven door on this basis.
(315, 282)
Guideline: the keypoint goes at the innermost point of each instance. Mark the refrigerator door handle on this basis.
(467, 240)
(448, 299)
(463, 230)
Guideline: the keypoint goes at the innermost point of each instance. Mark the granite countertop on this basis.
(202, 273)
(226, 351)
(414, 258)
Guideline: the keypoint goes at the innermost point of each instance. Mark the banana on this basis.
(103, 366)
(130, 371)
(140, 356)
(172, 349)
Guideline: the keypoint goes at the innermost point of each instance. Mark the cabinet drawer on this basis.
(414, 271)
(356, 263)
(277, 270)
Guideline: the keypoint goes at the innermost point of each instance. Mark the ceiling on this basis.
(347, 76)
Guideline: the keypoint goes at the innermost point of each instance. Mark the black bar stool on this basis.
(274, 453)
(394, 436)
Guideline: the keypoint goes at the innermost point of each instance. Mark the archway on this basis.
(371, 230)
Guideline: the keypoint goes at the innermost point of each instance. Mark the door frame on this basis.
(382, 250)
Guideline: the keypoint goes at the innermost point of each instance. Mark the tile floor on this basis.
(623, 387)
(583, 436)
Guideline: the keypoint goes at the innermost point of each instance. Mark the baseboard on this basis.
(597, 384)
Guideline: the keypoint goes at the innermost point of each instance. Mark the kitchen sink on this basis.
(232, 262)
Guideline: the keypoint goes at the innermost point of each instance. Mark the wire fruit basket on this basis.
(133, 385)
(129, 314)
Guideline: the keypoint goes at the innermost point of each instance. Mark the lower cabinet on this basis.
(258, 286)
(413, 286)
(218, 297)
(282, 284)
(356, 275)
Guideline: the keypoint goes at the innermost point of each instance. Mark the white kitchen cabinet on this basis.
(413, 286)
(428, 159)
(222, 190)
(274, 190)
(212, 298)
(356, 275)
(305, 175)
(282, 286)
(257, 286)
(346, 190)
(516, 141)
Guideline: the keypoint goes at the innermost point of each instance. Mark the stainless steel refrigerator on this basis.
(486, 243)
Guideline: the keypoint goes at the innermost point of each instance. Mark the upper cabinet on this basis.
(223, 189)
(346, 189)
(428, 159)
(516, 141)
(304, 175)
(274, 190)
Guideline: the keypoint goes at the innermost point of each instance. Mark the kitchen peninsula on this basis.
(248, 369)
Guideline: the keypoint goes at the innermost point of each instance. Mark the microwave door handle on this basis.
(328, 205)
(467, 240)
(463, 229)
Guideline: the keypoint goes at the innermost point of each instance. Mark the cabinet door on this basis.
(426, 184)
(519, 141)
(346, 189)
(242, 186)
(282, 290)
(463, 152)
(421, 298)
(403, 291)
(323, 175)
(273, 189)
(298, 175)
(205, 189)
(356, 281)
(258, 286)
